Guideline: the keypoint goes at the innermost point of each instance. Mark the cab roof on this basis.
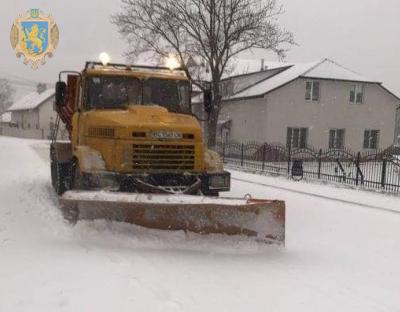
(140, 71)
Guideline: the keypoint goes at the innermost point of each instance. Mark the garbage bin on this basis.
(297, 170)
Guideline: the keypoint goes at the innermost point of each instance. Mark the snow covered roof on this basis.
(291, 73)
(31, 101)
(239, 67)
(5, 117)
(325, 69)
(328, 69)
(197, 99)
(246, 66)
(244, 81)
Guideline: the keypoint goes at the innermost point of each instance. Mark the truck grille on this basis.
(101, 132)
(162, 157)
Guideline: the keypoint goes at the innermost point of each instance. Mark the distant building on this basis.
(33, 115)
(5, 120)
(320, 104)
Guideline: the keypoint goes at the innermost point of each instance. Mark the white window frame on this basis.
(357, 89)
(370, 138)
(300, 130)
(225, 134)
(335, 138)
(309, 96)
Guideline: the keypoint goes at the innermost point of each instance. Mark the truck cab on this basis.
(131, 129)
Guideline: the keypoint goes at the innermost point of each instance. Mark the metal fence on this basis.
(378, 169)
(40, 134)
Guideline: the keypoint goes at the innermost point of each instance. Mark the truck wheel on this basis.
(58, 177)
(53, 174)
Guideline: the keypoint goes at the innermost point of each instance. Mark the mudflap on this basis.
(263, 220)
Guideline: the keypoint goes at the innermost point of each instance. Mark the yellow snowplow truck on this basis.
(136, 154)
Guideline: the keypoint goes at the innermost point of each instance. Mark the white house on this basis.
(32, 116)
(320, 104)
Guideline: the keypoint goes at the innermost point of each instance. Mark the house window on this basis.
(225, 135)
(371, 139)
(357, 94)
(336, 138)
(312, 91)
(297, 137)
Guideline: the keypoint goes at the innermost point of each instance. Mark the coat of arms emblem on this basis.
(34, 36)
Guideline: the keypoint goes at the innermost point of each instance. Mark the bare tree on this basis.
(41, 87)
(6, 94)
(213, 30)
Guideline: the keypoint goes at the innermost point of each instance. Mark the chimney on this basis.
(262, 64)
(41, 87)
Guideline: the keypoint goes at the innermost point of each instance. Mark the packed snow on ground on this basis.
(339, 256)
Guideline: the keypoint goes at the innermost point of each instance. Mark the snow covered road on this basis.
(339, 256)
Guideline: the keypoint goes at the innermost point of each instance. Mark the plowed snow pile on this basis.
(339, 256)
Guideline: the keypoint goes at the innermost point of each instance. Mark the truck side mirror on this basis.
(207, 101)
(61, 90)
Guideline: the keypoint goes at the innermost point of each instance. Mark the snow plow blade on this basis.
(264, 220)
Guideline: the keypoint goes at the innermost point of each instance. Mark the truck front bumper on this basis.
(187, 183)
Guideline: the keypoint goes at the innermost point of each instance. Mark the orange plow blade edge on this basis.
(263, 220)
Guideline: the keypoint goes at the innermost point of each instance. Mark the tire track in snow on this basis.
(344, 201)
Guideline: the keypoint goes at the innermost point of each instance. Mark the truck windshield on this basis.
(113, 92)
(119, 92)
(171, 94)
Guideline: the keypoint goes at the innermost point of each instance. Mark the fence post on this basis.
(383, 176)
(319, 163)
(263, 156)
(289, 159)
(357, 166)
(223, 152)
(242, 155)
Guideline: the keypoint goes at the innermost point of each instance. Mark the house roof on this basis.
(31, 101)
(5, 117)
(245, 81)
(325, 69)
(249, 66)
(328, 69)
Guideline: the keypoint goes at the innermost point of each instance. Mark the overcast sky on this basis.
(363, 35)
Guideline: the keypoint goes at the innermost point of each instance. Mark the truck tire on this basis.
(53, 174)
(59, 172)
